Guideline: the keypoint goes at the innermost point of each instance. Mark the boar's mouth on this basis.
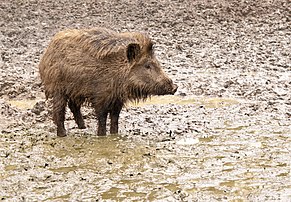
(174, 89)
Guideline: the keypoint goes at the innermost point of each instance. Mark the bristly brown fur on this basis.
(63, 56)
(94, 65)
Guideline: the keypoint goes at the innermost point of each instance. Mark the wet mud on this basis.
(224, 136)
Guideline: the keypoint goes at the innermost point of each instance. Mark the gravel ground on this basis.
(224, 136)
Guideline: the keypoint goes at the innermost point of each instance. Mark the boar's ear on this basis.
(133, 51)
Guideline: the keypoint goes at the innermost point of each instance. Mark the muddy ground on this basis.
(224, 136)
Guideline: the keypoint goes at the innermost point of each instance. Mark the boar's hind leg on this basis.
(59, 110)
(114, 116)
(75, 108)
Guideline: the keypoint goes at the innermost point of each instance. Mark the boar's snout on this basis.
(174, 89)
(171, 89)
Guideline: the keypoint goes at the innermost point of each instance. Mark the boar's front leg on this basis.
(114, 116)
(75, 108)
(102, 118)
(59, 110)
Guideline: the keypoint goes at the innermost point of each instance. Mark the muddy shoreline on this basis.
(224, 136)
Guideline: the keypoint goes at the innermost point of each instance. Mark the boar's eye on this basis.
(147, 66)
(151, 47)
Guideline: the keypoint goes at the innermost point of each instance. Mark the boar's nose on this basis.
(175, 87)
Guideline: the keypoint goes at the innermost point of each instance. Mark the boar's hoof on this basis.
(101, 134)
(61, 133)
(81, 126)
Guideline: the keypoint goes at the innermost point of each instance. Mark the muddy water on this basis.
(234, 160)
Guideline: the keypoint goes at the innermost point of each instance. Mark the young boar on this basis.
(101, 67)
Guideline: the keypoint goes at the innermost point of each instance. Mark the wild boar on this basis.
(101, 67)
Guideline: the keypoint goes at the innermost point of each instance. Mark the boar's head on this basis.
(146, 76)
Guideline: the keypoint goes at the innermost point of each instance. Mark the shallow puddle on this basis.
(223, 167)
(183, 100)
(25, 104)
(229, 158)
